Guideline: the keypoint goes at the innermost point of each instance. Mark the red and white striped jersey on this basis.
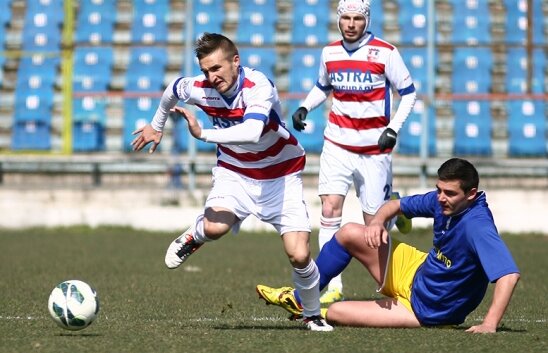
(362, 81)
(277, 153)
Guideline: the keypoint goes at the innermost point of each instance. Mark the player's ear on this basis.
(471, 195)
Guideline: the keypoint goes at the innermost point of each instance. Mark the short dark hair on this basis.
(461, 170)
(207, 43)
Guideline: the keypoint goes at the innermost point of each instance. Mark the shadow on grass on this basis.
(81, 334)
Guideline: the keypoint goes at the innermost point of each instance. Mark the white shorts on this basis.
(279, 202)
(371, 175)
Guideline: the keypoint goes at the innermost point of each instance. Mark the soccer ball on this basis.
(73, 305)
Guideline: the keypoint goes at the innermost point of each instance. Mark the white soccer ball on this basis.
(73, 305)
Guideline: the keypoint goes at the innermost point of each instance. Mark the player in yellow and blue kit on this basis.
(440, 287)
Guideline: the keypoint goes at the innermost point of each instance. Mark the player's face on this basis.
(221, 71)
(452, 198)
(352, 26)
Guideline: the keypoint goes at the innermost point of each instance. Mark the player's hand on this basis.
(193, 124)
(387, 139)
(375, 234)
(298, 118)
(483, 328)
(146, 134)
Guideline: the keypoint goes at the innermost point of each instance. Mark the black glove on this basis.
(298, 118)
(387, 139)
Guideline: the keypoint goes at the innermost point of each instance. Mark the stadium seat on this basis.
(516, 70)
(149, 25)
(209, 16)
(311, 138)
(517, 23)
(89, 108)
(257, 22)
(52, 9)
(412, 21)
(526, 129)
(416, 60)
(471, 22)
(146, 69)
(137, 113)
(410, 135)
(471, 70)
(472, 130)
(5, 17)
(262, 59)
(92, 68)
(303, 70)
(88, 136)
(181, 136)
(377, 19)
(31, 135)
(95, 21)
(310, 25)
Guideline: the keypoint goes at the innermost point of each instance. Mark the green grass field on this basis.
(210, 304)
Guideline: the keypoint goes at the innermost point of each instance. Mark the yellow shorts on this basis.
(403, 262)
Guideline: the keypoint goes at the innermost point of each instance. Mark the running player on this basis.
(259, 162)
(360, 71)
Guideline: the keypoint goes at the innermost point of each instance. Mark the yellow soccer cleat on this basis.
(403, 223)
(282, 297)
(331, 296)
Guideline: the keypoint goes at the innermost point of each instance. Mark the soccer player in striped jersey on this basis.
(361, 71)
(259, 162)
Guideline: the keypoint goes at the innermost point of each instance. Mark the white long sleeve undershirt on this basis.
(404, 109)
(247, 132)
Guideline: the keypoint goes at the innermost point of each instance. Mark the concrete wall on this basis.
(173, 210)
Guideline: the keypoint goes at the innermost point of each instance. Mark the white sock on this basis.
(328, 228)
(307, 282)
(199, 234)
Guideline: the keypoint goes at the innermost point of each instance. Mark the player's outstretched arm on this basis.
(504, 288)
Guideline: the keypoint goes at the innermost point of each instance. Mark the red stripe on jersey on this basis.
(380, 43)
(217, 112)
(373, 149)
(203, 84)
(248, 84)
(271, 172)
(357, 124)
(271, 151)
(355, 65)
(360, 96)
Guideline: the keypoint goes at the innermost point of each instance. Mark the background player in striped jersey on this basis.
(360, 71)
(259, 162)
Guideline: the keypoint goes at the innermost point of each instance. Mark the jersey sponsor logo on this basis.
(211, 98)
(224, 123)
(441, 257)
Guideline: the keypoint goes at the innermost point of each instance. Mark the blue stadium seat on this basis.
(41, 39)
(471, 22)
(526, 129)
(539, 22)
(377, 19)
(181, 136)
(516, 70)
(257, 22)
(88, 136)
(149, 23)
(31, 135)
(95, 21)
(146, 69)
(52, 9)
(303, 70)
(137, 113)
(311, 138)
(412, 21)
(472, 130)
(310, 24)
(471, 72)
(89, 109)
(5, 17)
(209, 16)
(92, 68)
(262, 59)
(410, 135)
(416, 60)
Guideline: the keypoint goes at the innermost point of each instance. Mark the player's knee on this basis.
(299, 258)
(349, 233)
(214, 230)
